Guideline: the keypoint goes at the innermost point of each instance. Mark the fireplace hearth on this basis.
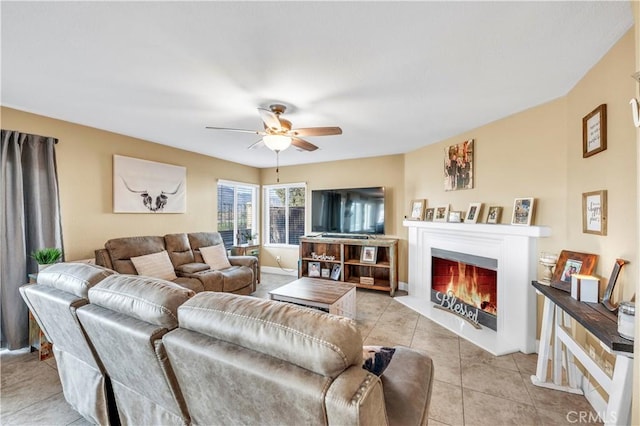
(485, 271)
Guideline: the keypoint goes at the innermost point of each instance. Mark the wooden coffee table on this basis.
(331, 296)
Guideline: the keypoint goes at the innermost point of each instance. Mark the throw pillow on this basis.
(215, 256)
(377, 358)
(157, 265)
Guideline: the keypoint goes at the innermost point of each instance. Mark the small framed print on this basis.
(441, 214)
(455, 217)
(473, 213)
(335, 272)
(314, 269)
(594, 212)
(594, 131)
(369, 254)
(417, 209)
(493, 216)
(428, 214)
(325, 272)
(522, 211)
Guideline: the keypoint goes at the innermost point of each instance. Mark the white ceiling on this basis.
(395, 76)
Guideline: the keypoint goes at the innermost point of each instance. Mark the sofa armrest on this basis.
(407, 384)
(249, 261)
(356, 397)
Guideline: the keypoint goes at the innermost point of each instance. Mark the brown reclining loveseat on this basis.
(184, 253)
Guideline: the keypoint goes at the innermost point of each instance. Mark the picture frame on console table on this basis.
(570, 263)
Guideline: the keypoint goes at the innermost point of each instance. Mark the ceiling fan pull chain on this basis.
(278, 166)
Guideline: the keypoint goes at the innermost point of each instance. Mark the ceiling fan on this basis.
(278, 134)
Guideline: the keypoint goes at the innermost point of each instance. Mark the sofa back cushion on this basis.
(157, 265)
(179, 249)
(74, 278)
(215, 257)
(324, 344)
(121, 250)
(203, 239)
(147, 299)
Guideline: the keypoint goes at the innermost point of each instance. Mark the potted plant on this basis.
(46, 257)
(248, 236)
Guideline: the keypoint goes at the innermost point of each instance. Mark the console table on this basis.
(603, 324)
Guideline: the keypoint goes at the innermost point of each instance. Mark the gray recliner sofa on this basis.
(60, 290)
(125, 322)
(292, 365)
(176, 357)
(184, 252)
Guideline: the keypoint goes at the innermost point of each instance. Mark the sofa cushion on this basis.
(324, 344)
(121, 250)
(148, 299)
(74, 278)
(192, 268)
(215, 256)
(179, 249)
(157, 265)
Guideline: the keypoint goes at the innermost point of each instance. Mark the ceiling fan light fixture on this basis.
(277, 143)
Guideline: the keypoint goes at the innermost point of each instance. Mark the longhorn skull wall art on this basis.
(141, 186)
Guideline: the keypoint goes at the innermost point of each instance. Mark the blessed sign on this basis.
(449, 302)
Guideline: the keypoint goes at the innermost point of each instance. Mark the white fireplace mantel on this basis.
(515, 249)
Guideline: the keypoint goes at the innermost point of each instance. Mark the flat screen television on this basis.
(348, 211)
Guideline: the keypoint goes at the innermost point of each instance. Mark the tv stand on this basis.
(345, 254)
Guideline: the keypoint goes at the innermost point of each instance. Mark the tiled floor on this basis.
(471, 387)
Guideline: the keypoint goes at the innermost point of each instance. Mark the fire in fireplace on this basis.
(466, 285)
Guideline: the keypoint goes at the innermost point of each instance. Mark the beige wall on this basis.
(538, 153)
(84, 157)
(384, 171)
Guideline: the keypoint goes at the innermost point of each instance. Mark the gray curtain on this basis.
(29, 220)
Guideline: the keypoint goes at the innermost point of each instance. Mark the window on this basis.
(284, 213)
(237, 212)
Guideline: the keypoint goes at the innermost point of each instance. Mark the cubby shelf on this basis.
(347, 254)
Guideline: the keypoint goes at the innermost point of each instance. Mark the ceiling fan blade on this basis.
(316, 131)
(256, 144)
(257, 132)
(270, 119)
(303, 145)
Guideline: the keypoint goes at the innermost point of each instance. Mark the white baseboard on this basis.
(279, 271)
(403, 286)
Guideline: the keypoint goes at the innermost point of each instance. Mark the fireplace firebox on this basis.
(466, 285)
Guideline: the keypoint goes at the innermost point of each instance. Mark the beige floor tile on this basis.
(446, 404)
(25, 383)
(526, 363)
(494, 381)
(567, 416)
(544, 398)
(51, 410)
(448, 346)
(469, 351)
(482, 409)
(447, 368)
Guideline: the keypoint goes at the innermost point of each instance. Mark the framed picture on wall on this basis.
(594, 131)
(458, 166)
(594, 212)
